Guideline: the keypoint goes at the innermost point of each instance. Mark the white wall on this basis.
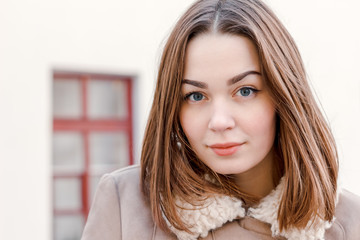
(117, 36)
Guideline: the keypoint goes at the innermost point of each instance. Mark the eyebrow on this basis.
(231, 81)
(240, 77)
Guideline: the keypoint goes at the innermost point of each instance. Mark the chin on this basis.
(227, 170)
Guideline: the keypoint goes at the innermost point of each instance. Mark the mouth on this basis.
(225, 149)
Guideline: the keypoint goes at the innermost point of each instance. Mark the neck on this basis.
(258, 181)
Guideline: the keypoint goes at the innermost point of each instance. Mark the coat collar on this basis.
(219, 209)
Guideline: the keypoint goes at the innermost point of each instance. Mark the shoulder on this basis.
(348, 208)
(126, 182)
(108, 218)
(132, 171)
(347, 215)
(130, 174)
(134, 210)
(123, 181)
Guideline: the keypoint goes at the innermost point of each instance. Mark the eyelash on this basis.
(253, 91)
(188, 95)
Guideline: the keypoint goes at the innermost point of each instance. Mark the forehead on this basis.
(220, 55)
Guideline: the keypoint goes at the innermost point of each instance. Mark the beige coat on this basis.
(119, 212)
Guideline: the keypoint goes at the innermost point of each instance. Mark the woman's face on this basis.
(227, 113)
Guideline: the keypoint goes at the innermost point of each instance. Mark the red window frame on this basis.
(84, 125)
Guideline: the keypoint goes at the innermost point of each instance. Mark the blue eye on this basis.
(195, 96)
(246, 91)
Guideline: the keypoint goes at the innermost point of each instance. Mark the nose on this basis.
(221, 118)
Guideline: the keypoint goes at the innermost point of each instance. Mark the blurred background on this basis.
(76, 82)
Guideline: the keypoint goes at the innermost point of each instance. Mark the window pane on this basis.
(67, 193)
(108, 151)
(67, 98)
(68, 152)
(68, 227)
(107, 99)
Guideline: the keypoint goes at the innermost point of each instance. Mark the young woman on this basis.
(235, 146)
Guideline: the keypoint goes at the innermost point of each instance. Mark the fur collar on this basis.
(220, 209)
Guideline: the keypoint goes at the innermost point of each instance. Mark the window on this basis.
(92, 135)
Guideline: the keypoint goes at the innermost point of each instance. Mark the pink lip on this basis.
(225, 149)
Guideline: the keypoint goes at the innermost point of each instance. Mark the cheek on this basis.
(190, 122)
(262, 121)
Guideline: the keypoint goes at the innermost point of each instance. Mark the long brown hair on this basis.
(305, 148)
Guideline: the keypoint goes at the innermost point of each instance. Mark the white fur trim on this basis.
(214, 213)
(267, 211)
(219, 209)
